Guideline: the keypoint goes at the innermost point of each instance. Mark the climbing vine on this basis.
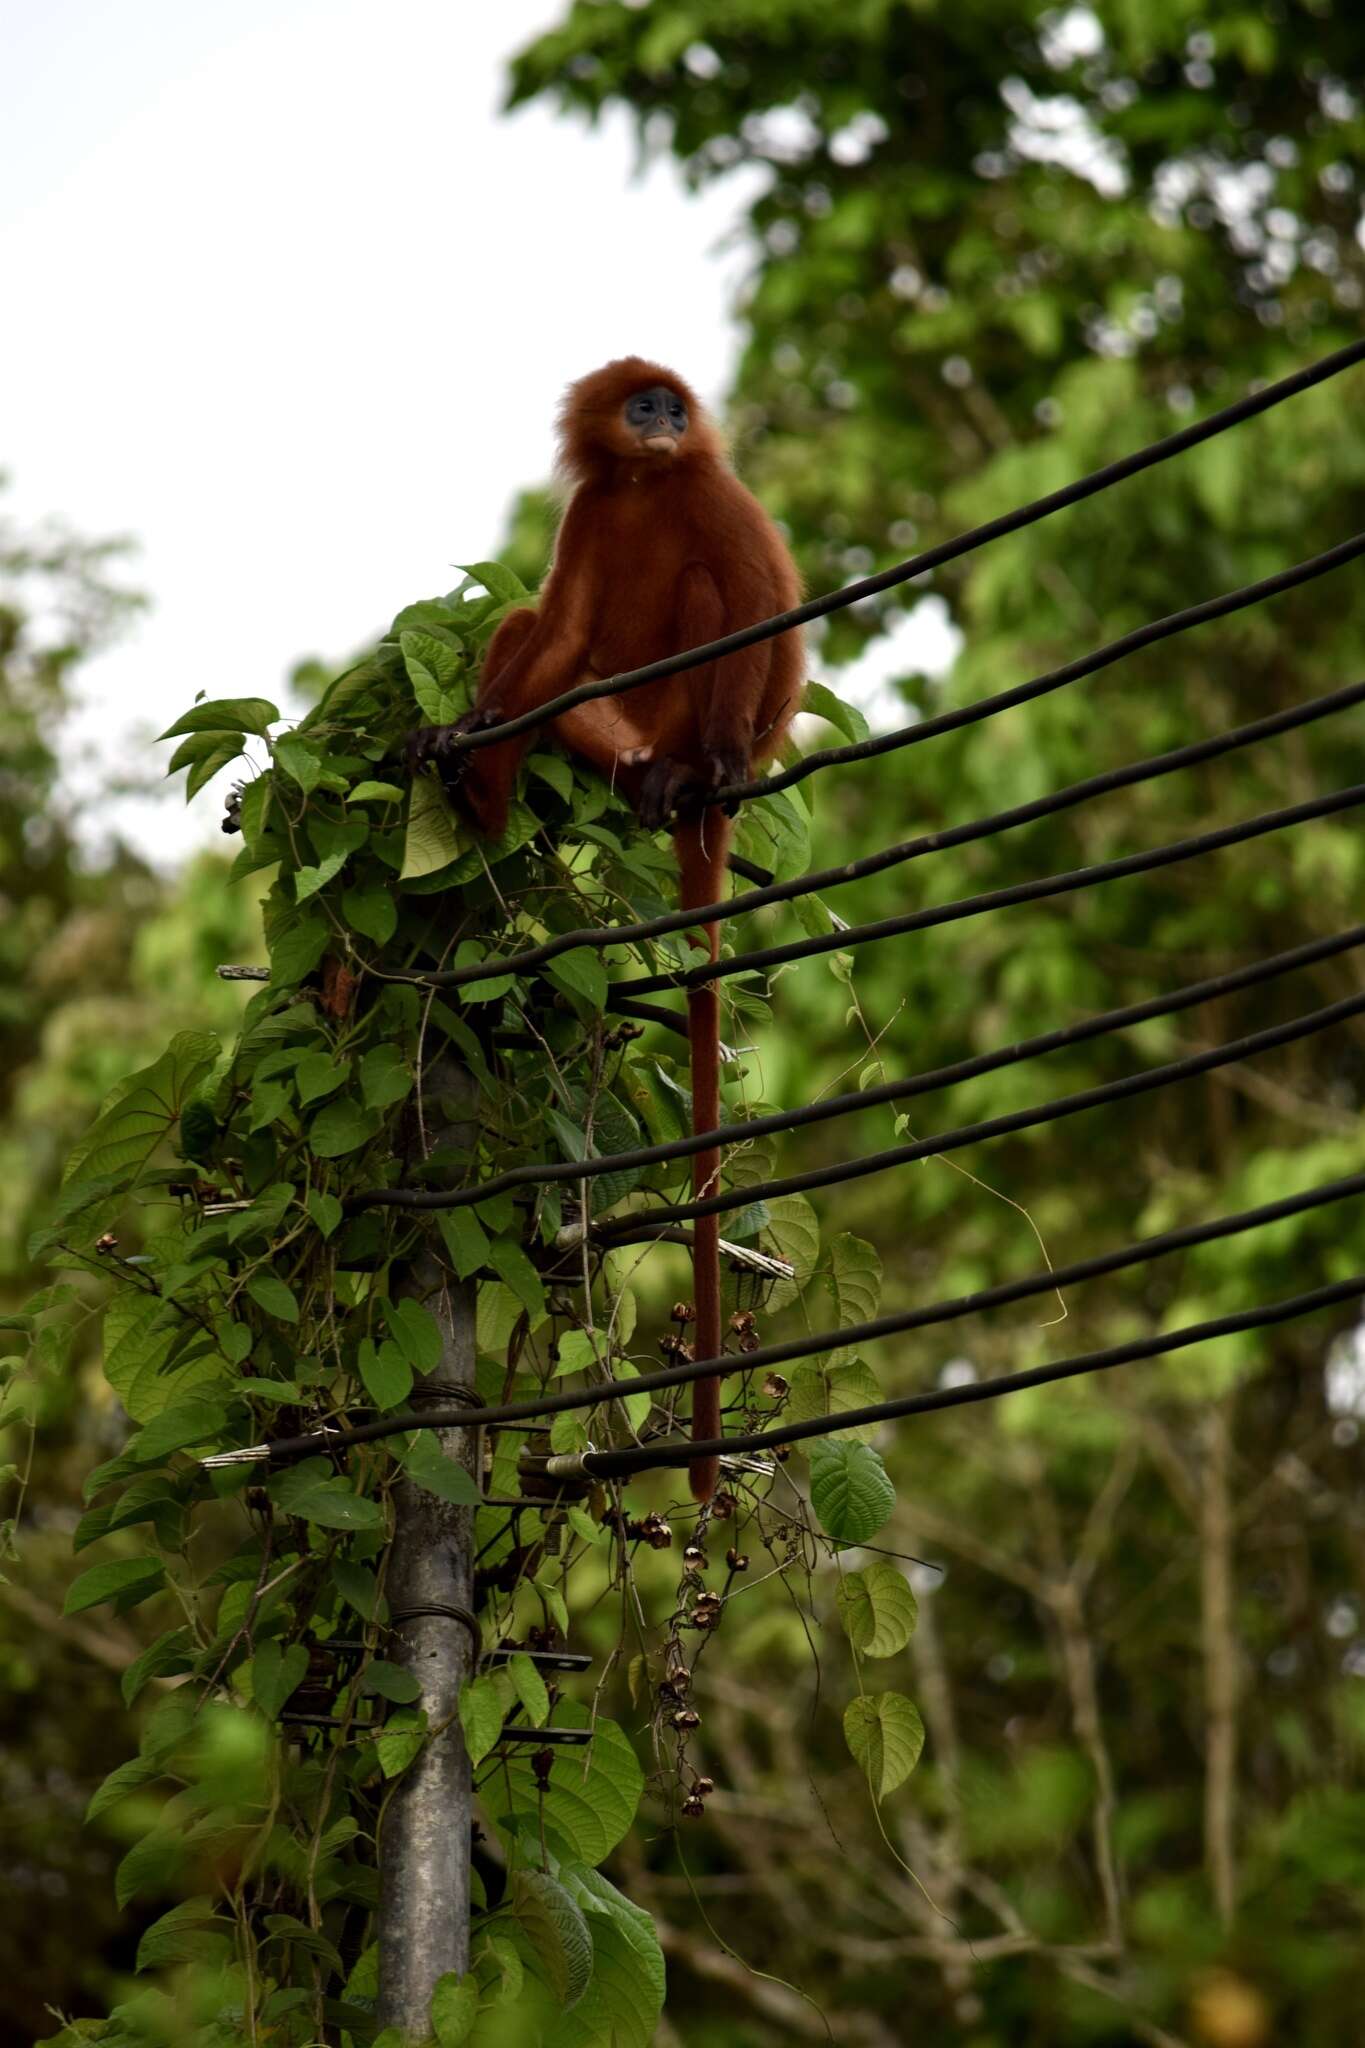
(245, 1293)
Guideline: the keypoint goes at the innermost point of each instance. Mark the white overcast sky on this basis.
(288, 301)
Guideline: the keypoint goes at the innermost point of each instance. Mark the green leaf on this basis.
(386, 1374)
(498, 580)
(401, 1742)
(227, 714)
(832, 1387)
(275, 1674)
(371, 912)
(416, 1332)
(190, 1933)
(297, 948)
(270, 1293)
(465, 1239)
(125, 1778)
(309, 1490)
(511, 1264)
(557, 1931)
(582, 973)
(878, 1610)
(481, 1717)
(579, 1351)
(166, 1657)
(343, 1126)
(434, 837)
(141, 1109)
(357, 1587)
(298, 761)
(625, 1999)
(793, 1233)
(433, 668)
(885, 1736)
(821, 702)
(374, 792)
(853, 1276)
(427, 1465)
(454, 2009)
(385, 1077)
(555, 770)
(176, 1428)
(308, 880)
(325, 1210)
(529, 1687)
(587, 1810)
(849, 1489)
(127, 1580)
(391, 1682)
(318, 1074)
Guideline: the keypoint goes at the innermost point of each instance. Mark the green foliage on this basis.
(265, 1286)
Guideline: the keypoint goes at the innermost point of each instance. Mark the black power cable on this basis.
(1150, 769)
(1255, 402)
(990, 1127)
(1036, 891)
(616, 1464)
(537, 1173)
(537, 1407)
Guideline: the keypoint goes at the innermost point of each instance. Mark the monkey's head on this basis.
(635, 413)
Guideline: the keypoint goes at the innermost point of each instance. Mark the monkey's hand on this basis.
(725, 766)
(666, 788)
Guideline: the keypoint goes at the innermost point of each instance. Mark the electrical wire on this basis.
(1035, 891)
(537, 1172)
(1145, 1083)
(617, 1464)
(1150, 768)
(537, 1407)
(1255, 402)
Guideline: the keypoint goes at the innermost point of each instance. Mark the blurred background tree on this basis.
(990, 250)
(100, 957)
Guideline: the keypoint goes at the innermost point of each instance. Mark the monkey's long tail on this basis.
(701, 845)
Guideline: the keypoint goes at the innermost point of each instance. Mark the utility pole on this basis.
(424, 1839)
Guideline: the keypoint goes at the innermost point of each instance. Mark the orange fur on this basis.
(658, 550)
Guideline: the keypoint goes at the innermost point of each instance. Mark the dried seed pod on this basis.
(695, 1557)
(737, 1560)
(683, 1312)
(541, 1760)
(705, 1617)
(668, 1693)
(693, 1808)
(672, 1345)
(781, 1453)
(775, 1386)
(680, 1678)
(742, 1321)
(750, 1341)
(687, 1718)
(704, 1787)
(722, 1506)
(107, 1242)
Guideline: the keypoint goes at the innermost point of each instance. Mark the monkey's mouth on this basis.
(665, 444)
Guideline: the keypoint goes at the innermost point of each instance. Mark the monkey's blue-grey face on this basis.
(658, 419)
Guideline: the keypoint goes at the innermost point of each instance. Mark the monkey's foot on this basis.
(433, 746)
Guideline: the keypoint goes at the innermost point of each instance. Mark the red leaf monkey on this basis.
(660, 548)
